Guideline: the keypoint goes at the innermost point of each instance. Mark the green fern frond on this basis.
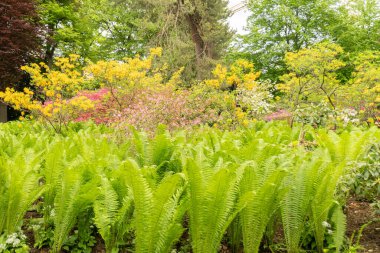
(339, 220)
(295, 206)
(211, 203)
(106, 210)
(19, 189)
(65, 209)
(157, 226)
(258, 212)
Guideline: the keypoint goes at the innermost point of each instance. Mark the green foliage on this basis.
(181, 190)
(312, 74)
(19, 178)
(279, 26)
(263, 178)
(213, 192)
(158, 213)
(113, 211)
(95, 30)
(358, 29)
(194, 34)
(315, 115)
(15, 242)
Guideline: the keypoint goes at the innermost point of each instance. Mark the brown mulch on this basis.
(358, 214)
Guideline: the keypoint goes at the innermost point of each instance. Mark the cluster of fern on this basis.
(204, 185)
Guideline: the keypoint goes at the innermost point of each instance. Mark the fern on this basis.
(74, 195)
(295, 206)
(346, 147)
(65, 211)
(258, 212)
(51, 172)
(323, 199)
(339, 220)
(158, 211)
(212, 203)
(19, 188)
(111, 215)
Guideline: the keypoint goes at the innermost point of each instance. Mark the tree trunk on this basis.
(50, 46)
(3, 113)
(194, 23)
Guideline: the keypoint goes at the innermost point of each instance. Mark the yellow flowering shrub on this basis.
(126, 77)
(240, 74)
(239, 81)
(51, 96)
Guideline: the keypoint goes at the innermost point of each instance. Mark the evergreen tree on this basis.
(193, 33)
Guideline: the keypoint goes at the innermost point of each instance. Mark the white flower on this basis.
(11, 238)
(2, 247)
(326, 224)
(16, 242)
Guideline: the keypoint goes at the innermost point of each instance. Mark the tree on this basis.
(193, 34)
(124, 28)
(95, 30)
(362, 92)
(279, 26)
(359, 29)
(312, 74)
(19, 32)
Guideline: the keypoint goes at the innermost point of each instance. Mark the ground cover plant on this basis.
(152, 126)
(176, 191)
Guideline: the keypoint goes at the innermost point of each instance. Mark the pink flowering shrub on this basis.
(148, 107)
(278, 115)
(101, 112)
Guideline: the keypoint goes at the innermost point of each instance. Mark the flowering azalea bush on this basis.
(251, 99)
(241, 73)
(148, 107)
(138, 91)
(53, 93)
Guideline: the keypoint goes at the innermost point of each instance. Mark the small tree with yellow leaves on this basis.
(52, 97)
(312, 75)
(363, 92)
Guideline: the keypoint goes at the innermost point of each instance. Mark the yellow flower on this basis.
(233, 79)
(156, 51)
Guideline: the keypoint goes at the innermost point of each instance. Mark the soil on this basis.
(358, 214)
